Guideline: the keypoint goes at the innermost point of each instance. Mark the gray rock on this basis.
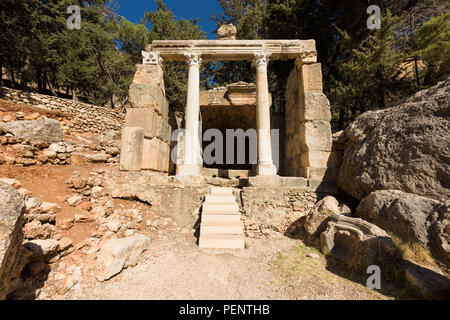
(42, 249)
(356, 243)
(430, 283)
(12, 209)
(405, 148)
(315, 221)
(412, 218)
(47, 130)
(117, 254)
(97, 157)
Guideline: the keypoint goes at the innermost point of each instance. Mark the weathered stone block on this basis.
(317, 159)
(131, 150)
(147, 119)
(149, 74)
(151, 122)
(316, 135)
(326, 174)
(314, 106)
(145, 95)
(155, 155)
(311, 78)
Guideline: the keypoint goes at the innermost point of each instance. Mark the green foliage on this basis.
(165, 26)
(433, 46)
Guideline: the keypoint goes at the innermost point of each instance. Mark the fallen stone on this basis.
(47, 130)
(114, 225)
(82, 218)
(16, 184)
(356, 243)
(117, 254)
(75, 200)
(316, 220)
(37, 230)
(49, 207)
(97, 157)
(12, 209)
(42, 249)
(429, 283)
(412, 218)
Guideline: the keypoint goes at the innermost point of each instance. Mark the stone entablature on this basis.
(235, 94)
(213, 50)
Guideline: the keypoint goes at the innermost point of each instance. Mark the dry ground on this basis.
(176, 268)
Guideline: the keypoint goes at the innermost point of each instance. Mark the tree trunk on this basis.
(1, 73)
(381, 91)
(74, 94)
(39, 79)
(50, 86)
(13, 79)
(341, 118)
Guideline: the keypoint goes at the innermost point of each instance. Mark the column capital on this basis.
(194, 58)
(261, 58)
(151, 58)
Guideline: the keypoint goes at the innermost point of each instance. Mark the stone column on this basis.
(191, 165)
(265, 164)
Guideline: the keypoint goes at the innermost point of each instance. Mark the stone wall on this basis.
(85, 117)
(148, 109)
(267, 211)
(308, 149)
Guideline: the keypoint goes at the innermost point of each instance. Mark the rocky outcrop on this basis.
(47, 130)
(405, 148)
(117, 254)
(411, 217)
(316, 220)
(12, 209)
(356, 243)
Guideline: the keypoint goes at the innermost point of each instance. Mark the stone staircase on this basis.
(221, 226)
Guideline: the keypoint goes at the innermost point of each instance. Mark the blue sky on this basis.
(133, 10)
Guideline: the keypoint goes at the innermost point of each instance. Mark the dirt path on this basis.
(177, 269)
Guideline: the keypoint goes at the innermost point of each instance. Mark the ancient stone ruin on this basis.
(304, 146)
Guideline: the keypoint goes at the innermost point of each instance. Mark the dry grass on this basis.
(308, 277)
(414, 252)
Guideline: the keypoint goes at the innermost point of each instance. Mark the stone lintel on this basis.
(212, 50)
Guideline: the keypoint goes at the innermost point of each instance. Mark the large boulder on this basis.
(12, 209)
(315, 221)
(356, 243)
(405, 148)
(117, 254)
(412, 218)
(48, 130)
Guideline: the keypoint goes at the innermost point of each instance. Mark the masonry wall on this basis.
(267, 211)
(148, 109)
(85, 117)
(308, 150)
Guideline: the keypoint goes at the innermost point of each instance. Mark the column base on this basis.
(189, 170)
(266, 170)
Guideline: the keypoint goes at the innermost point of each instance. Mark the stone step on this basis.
(222, 228)
(221, 241)
(222, 191)
(215, 198)
(220, 218)
(220, 208)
